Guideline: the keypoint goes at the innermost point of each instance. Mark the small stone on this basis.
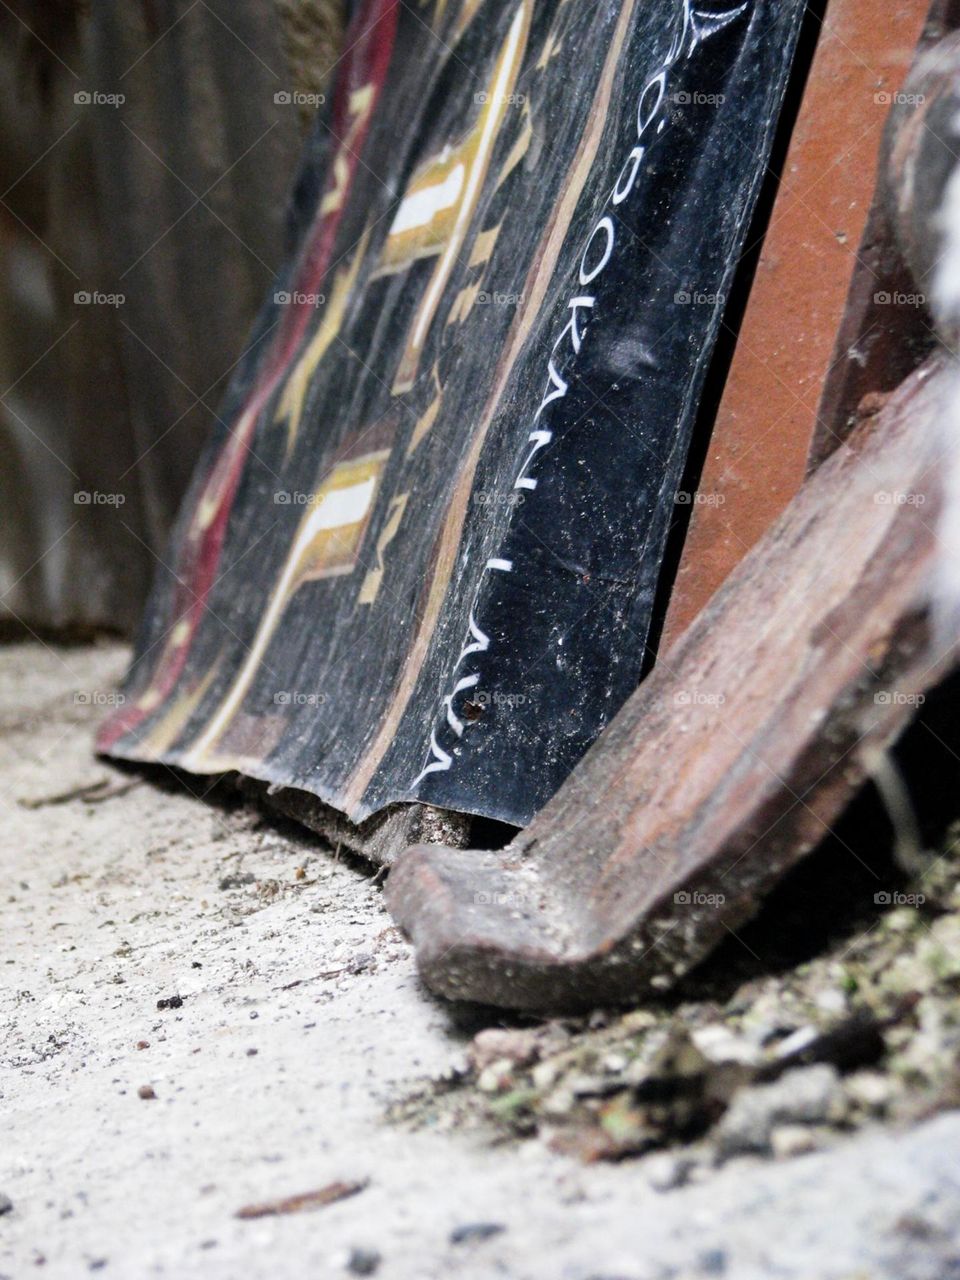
(666, 1172)
(615, 1063)
(496, 1077)
(806, 1096)
(586, 1086)
(6, 1205)
(143, 1044)
(832, 1000)
(474, 1232)
(870, 1090)
(496, 1045)
(146, 1092)
(638, 1020)
(546, 1074)
(170, 1002)
(718, 1043)
(363, 1262)
(558, 1103)
(789, 1140)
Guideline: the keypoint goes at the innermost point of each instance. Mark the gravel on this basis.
(107, 905)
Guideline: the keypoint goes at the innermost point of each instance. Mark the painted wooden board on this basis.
(419, 558)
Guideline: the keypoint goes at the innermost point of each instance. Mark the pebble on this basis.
(615, 1063)
(495, 1077)
(666, 1172)
(363, 1262)
(713, 1262)
(719, 1044)
(545, 1074)
(806, 1096)
(496, 1045)
(831, 1001)
(473, 1232)
(146, 1092)
(789, 1140)
(6, 1205)
(870, 1090)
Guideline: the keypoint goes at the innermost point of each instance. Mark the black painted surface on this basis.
(539, 635)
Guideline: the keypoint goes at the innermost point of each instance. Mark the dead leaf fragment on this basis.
(307, 1200)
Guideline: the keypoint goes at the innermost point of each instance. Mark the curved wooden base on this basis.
(730, 762)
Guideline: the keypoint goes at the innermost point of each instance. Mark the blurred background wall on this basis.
(147, 152)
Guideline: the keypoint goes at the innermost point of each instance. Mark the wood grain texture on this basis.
(730, 762)
(770, 409)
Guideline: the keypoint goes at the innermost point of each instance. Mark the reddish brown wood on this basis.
(768, 416)
(729, 763)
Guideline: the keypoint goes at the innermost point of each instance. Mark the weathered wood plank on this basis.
(730, 762)
(770, 413)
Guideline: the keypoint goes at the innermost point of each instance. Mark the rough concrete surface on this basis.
(302, 1024)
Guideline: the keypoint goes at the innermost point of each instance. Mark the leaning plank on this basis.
(729, 763)
(770, 413)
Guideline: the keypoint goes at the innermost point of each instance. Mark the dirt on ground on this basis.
(216, 1060)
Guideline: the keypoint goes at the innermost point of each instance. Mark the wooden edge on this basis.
(729, 763)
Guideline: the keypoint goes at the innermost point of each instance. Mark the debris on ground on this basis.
(783, 1064)
(170, 1002)
(239, 881)
(363, 1262)
(318, 1199)
(474, 1232)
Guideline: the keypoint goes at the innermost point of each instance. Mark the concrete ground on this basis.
(302, 1022)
